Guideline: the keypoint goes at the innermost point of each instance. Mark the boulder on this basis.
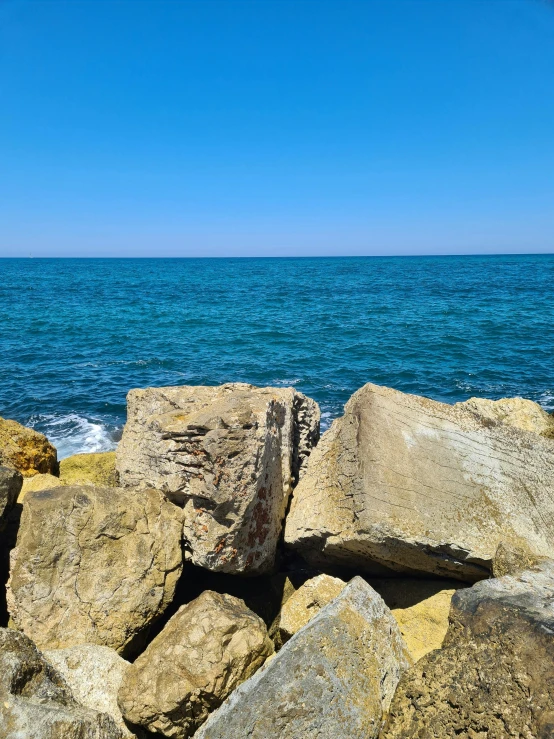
(412, 485)
(10, 485)
(89, 469)
(332, 680)
(303, 605)
(36, 483)
(94, 675)
(26, 450)
(93, 565)
(229, 455)
(35, 701)
(512, 560)
(206, 649)
(518, 412)
(494, 676)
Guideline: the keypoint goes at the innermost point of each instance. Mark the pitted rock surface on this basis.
(26, 450)
(409, 484)
(229, 455)
(518, 412)
(93, 565)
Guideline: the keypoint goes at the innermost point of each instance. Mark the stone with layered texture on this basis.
(94, 675)
(494, 676)
(95, 468)
(409, 484)
(206, 649)
(93, 565)
(332, 680)
(35, 700)
(518, 412)
(26, 450)
(229, 455)
(10, 486)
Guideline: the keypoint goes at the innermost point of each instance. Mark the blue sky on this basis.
(287, 127)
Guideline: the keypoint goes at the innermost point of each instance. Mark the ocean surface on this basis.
(77, 334)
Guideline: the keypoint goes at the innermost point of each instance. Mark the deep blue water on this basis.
(77, 334)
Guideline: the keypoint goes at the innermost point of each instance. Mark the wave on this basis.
(74, 434)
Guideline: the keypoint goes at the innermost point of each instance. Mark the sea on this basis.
(77, 334)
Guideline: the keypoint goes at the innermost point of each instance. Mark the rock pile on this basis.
(395, 578)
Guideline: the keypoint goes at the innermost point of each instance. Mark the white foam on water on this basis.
(74, 434)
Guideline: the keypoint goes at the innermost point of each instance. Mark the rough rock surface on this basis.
(36, 483)
(414, 485)
(494, 676)
(303, 605)
(89, 469)
(518, 412)
(93, 565)
(35, 701)
(230, 455)
(206, 649)
(332, 680)
(25, 449)
(512, 560)
(10, 485)
(94, 675)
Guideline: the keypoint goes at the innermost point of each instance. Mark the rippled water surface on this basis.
(76, 335)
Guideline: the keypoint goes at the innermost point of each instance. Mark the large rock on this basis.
(94, 675)
(26, 450)
(518, 412)
(230, 455)
(332, 680)
(36, 702)
(208, 648)
(413, 485)
(93, 565)
(89, 469)
(36, 483)
(10, 485)
(494, 676)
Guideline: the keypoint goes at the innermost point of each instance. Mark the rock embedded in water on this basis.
(10, 485)
(93, 565)
(205, 650)
(332, 680)
(35, 701)
(518, 412)
(229, 455)
(94, 675)
(494, 676)
(95, 468)
(26, 450)
(409, 484)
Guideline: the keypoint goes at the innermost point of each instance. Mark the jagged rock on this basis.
(94, 675)
(89, 469)
(303, 605)
(36, 702)
(10, 485)
(206, 649)
(332, 680)
(36, 483)
(510, 560)
(518, 412)
(229, 455)
(410, 484)
(494, 676)
(26, 450)
(93, 565)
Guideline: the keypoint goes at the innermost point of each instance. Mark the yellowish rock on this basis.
(424, 625)
(38, 482)
(89, 469)
(26, 450)
(518, 412)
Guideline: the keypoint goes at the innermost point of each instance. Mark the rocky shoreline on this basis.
(226, 573)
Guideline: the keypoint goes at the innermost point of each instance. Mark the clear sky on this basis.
(276, 127)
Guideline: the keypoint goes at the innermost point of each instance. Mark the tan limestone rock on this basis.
(409, 484)
(229, 455)
(26, 450)
(10, 486)
(510, 560)
(36, 483)
(424, 625)
(205, 650)
(93, 565)
(89, 469)
(518, 412)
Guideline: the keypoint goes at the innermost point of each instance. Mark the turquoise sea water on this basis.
(77, 334)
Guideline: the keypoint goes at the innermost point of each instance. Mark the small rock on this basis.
(36, 483)
(26, 450)
(205, 650)
(518, 412)
(332, 680)
(89, 469)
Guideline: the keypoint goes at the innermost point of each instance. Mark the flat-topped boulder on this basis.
(412, 485)
(333, 679)
(93, 565)
(230, 455)
(26, 450)
(494, 676)
(94, 468)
